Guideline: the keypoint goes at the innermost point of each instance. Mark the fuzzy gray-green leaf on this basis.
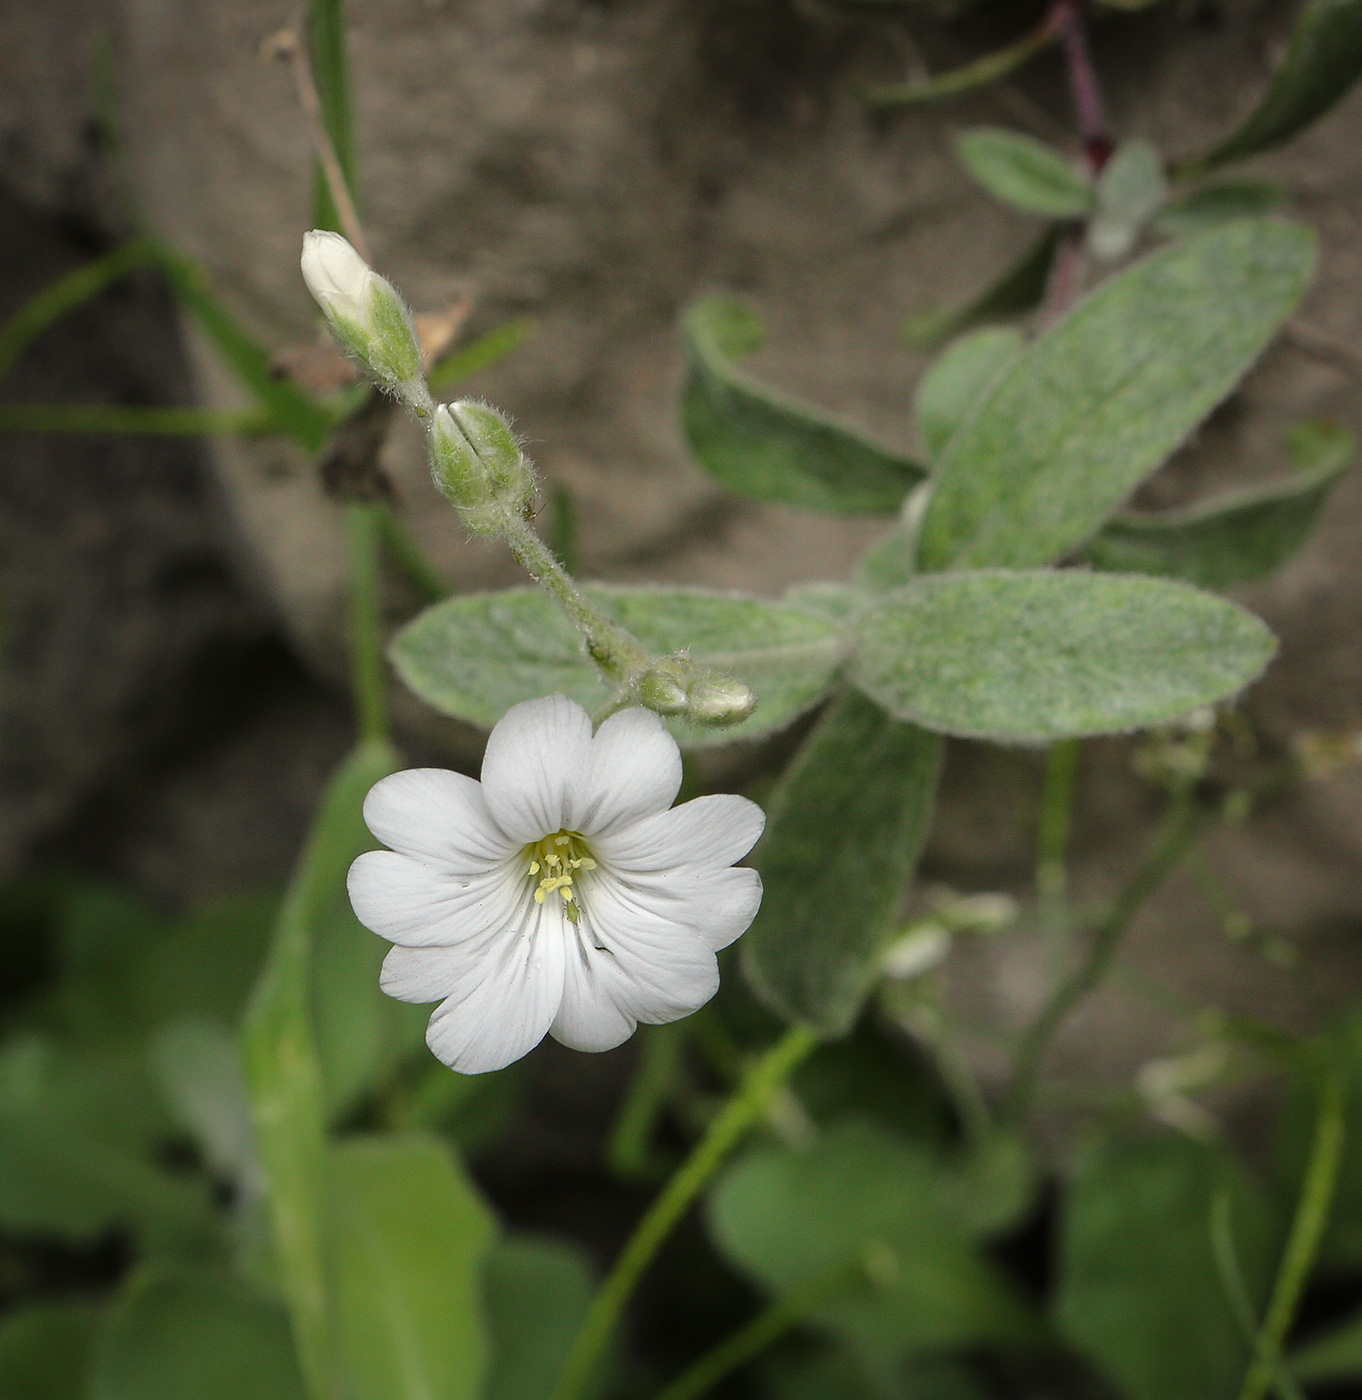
(845, 830)
(1024, 172)
(1029, 657)
(1323, 60)
(958, 378)
(475, 656)
(771, 447)
(1240, 537)
(1219, 203)
(1102, 399)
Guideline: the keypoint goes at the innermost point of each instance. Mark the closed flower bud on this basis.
(715, 701)
(366, 315)
(661, 689)
(477, 463)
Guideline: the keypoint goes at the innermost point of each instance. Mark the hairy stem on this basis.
(723, 1134)
(1182, 825)
(1302, 1245)
(612, 648)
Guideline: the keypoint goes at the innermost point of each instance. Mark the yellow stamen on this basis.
(558, 856)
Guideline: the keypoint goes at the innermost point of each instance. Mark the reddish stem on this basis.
(1087, 93)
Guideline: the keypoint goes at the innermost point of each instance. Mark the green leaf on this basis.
(410, 1235)
(77, 1134)
(537, 1293)
(1139, 1294)
(1130, 191)
(363, 1036)
(1323, 60)
(891, 561)
(1033, 657)
(331, 73)
(67, 294)
(283, 1069)
(474, 656)
(307, 422)
(859, 1190)
(1099, 401)
(480, 354)
(186, 1335)
(45, 1351)
(132, 420)
(204, 964)
(1024, 172)
(958, 380)
(770, 447)
(1237, 538)
(1335, 1356)
(844, 832)
(199, 1067)
(1221, 203)
(1018, 289)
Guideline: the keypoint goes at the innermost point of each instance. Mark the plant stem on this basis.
(988, 69)
(1181, 826)
(1236, 1292)
(1307, 1230)
(756, 1335)
(658, 1060)
(1056, 819)
(737, 1116)
(367, 679)
(1084, 86)
(612, 648)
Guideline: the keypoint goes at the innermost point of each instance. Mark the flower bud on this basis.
(477, 463)
(662, 687)
(716, 700)
(366, 315)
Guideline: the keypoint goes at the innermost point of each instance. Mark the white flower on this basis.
(365, 313)
(562, 893)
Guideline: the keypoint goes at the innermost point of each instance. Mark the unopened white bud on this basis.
(366, 315)
(477, 463)
(716, 700)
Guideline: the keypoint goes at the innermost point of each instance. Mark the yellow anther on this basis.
(553, 860)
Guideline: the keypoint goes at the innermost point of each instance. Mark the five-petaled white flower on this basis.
(561, 894)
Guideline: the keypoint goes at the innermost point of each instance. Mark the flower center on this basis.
(556, 859)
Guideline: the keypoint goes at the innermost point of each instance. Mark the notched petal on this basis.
(537, 759)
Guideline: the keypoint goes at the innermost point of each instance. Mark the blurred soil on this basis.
(172, 647)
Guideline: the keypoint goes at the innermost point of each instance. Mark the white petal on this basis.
(588, 1018)
(635, 771)
(715, 831)
(335, 273)
(439, 817)
(406, 901)
(650, 966)
(716, 903)
(503, 1004)
(537, 757)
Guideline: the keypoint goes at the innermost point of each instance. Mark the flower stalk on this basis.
(479, 466)
(723, 1134)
